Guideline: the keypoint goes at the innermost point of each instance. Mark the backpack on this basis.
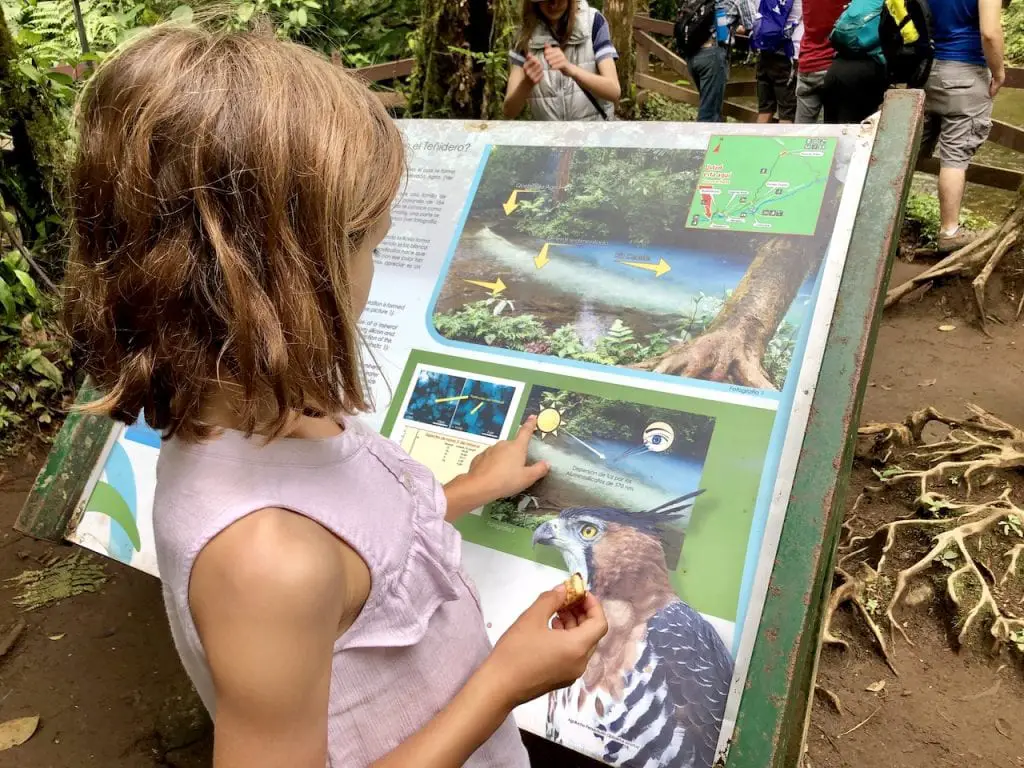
(694, 24)
(772, 29)
(905, 32)
(856, 34)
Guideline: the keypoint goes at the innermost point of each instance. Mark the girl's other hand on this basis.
(497, 473)
(533, 69)
(533, 657)
(556, 58)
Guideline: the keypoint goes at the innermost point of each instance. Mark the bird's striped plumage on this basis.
(654, 693)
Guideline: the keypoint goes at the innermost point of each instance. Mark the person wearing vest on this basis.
(816, 54)
(965, 78)
(564, 64)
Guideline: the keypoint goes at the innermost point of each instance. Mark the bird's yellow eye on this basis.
(588, 531)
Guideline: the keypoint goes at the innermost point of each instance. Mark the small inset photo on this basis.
(473, 406)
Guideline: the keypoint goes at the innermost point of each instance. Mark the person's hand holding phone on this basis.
(533, 69)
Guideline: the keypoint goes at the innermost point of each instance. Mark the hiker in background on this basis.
(966, 76)
(564, 63)
(702, 38)
(777, 31)
(816, 55)
(857, 79)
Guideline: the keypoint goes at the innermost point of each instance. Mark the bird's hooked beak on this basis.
(545, 534)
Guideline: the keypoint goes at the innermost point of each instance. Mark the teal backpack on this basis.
(855, 34)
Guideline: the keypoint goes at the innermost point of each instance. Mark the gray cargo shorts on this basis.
(958, 112)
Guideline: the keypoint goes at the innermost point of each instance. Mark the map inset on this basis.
(762, 184)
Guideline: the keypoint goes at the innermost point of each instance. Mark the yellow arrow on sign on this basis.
(513, 200)
(495, 288)
(511, 204)
(541, 259)
(658, 269)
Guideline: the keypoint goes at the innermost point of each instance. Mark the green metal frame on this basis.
(774, 710)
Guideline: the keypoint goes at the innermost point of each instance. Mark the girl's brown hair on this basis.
(532, 17)
(222, 183)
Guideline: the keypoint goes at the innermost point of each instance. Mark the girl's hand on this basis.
(556, 59)
(533, 658)
(497, 473)
(533, 69)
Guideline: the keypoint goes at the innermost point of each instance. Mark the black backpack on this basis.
(694, 24)
(909, 63)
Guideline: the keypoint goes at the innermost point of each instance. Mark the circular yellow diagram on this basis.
(548, 420)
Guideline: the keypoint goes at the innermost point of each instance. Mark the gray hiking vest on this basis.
(557, 96)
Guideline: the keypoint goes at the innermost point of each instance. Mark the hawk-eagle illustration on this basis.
(654, 692)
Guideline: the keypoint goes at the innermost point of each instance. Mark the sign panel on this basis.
(659, 296)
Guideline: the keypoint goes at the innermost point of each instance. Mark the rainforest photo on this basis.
(603, 256)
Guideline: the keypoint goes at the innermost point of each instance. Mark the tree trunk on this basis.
(620, 20)
(731, 349)
(31, 169)
(461, 51)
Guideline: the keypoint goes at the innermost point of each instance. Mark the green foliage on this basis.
(949, 559)
(363, 32)
(33, 357)
(478, 321)
(48, 36)
(614, 194)
(658, 107)
(508, 512)
(779, 354)
(1017, 638)
(1013, 32)
(1012, 526)
(588, 416)
(923, 219)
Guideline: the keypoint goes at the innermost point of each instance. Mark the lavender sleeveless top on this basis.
(421, 633)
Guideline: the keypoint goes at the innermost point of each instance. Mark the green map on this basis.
(762, 184)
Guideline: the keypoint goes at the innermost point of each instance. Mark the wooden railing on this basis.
(648, 48)
(388, 71)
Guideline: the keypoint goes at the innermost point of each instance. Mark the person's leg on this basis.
(809, 89)
(699, 71)
(785, 89)
(952, 182)
(765, 89)
(831, 87)
(966, 122)
(713, 80)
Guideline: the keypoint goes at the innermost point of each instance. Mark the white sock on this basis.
(951, 232)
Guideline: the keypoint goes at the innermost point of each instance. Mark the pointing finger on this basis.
(535, 472)
(526, 431)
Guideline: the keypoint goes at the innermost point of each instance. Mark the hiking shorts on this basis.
(958, 112)
(776, 86)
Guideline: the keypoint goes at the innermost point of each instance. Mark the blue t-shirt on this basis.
(600, 36)
(957, 28)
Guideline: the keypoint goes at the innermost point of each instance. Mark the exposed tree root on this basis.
(979, 258)
(978, 546)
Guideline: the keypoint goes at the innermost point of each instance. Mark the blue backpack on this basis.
(856, 33)
(773, 30)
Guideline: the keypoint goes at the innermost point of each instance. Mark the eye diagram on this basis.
(657, 437)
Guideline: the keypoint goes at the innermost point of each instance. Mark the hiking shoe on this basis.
(956, 241)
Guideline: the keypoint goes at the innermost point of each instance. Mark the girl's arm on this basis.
(520, 83)
(604, 84)
(270, 596)
(497, 473)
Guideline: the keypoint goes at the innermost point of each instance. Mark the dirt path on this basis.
(110, 691)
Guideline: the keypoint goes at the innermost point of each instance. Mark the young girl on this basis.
(564, 63)
(229, 191)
